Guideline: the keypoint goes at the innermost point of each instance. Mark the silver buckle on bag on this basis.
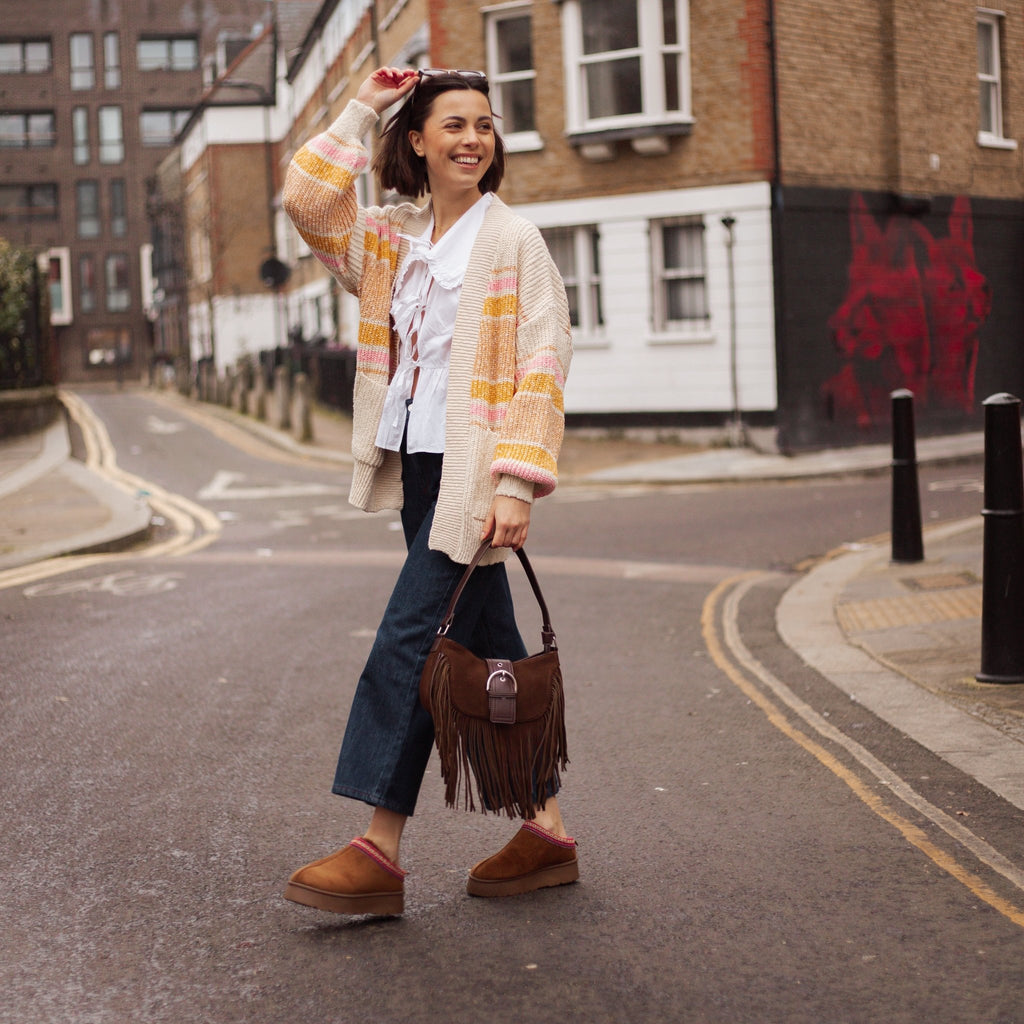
(501, 692)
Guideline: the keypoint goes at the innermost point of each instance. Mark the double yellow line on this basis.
(194, 526)
(774, 698)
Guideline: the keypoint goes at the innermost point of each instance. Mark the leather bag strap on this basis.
(547, 633)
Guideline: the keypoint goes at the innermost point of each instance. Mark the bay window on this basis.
(627, 66)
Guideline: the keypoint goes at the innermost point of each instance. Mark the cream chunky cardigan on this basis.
(511, 345)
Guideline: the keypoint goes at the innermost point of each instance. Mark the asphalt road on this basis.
(171, 718)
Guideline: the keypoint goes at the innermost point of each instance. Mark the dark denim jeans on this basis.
(389, 734)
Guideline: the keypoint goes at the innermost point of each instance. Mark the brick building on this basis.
(229, 265)
(349, 39)
(92, 94)
(772, 212)
(899, 235)
(788, 209)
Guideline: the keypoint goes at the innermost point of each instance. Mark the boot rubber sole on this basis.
(557, 874)
(380, 903)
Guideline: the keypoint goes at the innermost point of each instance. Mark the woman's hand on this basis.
(509, 518)
(386, 86)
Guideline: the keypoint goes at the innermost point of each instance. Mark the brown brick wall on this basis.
(242, 237)
(731, 138)
(57, 19)
(870, 90)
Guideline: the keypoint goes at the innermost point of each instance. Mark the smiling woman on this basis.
(459, 101)
(464, 343)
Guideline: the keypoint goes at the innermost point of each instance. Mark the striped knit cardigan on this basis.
(510, 351)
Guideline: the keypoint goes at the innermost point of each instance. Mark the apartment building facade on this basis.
(787, 209)
(92, 95)
(767, 211)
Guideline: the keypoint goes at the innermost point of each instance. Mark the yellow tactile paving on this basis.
(910, 610)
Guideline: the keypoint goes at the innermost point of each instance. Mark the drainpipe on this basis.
(776, 210)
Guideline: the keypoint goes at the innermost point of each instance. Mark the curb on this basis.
(807, 624)
(130, 519)
(272, 435)
(740, 465)
(55, 451)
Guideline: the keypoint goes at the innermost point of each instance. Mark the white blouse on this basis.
(426, 298)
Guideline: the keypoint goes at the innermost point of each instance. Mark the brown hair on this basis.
(397, 164)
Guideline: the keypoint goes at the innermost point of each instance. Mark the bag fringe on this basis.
(510, 764)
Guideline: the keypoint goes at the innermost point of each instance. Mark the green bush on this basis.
(17, 271)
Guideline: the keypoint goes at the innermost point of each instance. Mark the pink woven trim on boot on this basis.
(371, 851)
(538, 830)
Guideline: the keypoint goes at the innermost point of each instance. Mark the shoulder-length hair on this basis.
(397, 164)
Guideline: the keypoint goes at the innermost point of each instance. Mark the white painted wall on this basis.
(243, 325)
(626, 367)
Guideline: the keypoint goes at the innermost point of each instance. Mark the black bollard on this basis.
(907, 544)
(1002, 591)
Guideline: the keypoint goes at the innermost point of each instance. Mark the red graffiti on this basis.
(910, 316)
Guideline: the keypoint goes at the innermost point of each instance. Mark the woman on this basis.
(464, 343)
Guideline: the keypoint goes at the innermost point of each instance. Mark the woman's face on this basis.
(457, 141)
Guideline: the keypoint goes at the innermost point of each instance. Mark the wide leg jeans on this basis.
(389, 734)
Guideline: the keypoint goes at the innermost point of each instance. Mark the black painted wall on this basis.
(878, 292)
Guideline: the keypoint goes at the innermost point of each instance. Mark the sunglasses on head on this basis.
(441, 72)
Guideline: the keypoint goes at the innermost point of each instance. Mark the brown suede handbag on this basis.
(503, 722)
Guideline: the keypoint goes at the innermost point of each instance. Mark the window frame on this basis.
(82, 216)
(526, 139)
(176, 119)
(166, 61)
(585, 276)
(29, 136)
(117, 194)
(23, 212)
(655, 118)
(111, 60)
(27, 65)
(82, 74)
(994, 135)
(87, 291)
(81, 148)
(664, 328)
(110, 260)
(58, 279)
(110, 150)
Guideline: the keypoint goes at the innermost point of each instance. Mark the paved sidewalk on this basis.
(905, 641)
(902, 639)
(51, 504)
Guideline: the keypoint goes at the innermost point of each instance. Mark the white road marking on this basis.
(121, 584)
(155, 425)
(965, 485)
(223, 488)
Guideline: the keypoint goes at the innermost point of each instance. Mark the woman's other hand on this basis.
(509, 519)
(386, 86)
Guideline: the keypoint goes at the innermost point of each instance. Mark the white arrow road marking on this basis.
(222, 488)
(155, 425)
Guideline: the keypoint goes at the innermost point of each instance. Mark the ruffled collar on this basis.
(448, 259)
